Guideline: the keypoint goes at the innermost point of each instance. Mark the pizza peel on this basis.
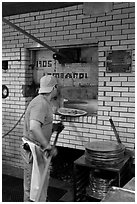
(115, 131)
(46, 168)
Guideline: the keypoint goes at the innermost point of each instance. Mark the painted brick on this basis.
(70, 137)
(121, 27)
(89, 126)
(57, 10)
(114, 22)
(131, 47)
(45, 21)
(84, 35)
(63, 140)
(127, 115)
(50, 15)
(89, 135)
(120, 99)
(104, 38)
(69, 27)
(128, 125)
(128, 83)
(103, 137)
(80, 16)
(87, 25)
(90, 30)
(105, 28)
(132, 99)
(104, 98)
(76, 31)
(104, 48)
(75, 142)
(89, 20)
(75, 12)
(63, 13)
(72, 22)
(102, 67)
(114, 32)
(63, 23)
(121, 16)
(104, 89)
(127, 104)
(105, 18)
(113, 104)
(118, 83)
(119, 79)
(70, 37)
(130, 140)
(119, 37)
(119, 109)
(104, 78)
(116, 42)
(118, 119)
(120, 5)
(116, 12)
(69, 18)
(131, 4)
(132, 15)
(70, 8)
(100, 103)
(127, 42)
(57, 19)
(96, 131)
(120, 89)
(123, 47)
(98, 24)
(116, 114)
(131, 26)
(131, 131)
(129, 10)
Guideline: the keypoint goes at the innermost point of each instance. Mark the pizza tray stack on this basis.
(104, 153)
(99, 184)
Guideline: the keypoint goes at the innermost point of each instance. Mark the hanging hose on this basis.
(13, 126)
(16, 125)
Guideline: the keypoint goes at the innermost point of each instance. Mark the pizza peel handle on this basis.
(115, 131)
(45, 171)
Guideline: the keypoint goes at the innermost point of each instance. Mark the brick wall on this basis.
(114, 30)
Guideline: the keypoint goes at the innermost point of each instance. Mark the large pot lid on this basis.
(104, 146)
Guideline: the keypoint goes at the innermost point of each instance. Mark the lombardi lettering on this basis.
(70, 75)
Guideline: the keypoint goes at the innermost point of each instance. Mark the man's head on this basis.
(47, 84)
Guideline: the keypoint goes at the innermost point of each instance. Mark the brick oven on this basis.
(94, 37)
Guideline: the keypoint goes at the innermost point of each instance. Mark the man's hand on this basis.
(50, 151)
(53, 152)
(58, 127)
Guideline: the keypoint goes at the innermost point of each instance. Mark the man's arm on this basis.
(35, 127)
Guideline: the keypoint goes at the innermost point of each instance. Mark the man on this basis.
(38, 128)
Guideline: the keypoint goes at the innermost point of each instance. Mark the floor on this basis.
(12, 190)
(61, 181)
(68, 196)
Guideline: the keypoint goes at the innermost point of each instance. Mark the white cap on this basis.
(47, 83)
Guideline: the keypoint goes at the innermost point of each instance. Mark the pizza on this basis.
(71, 112)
